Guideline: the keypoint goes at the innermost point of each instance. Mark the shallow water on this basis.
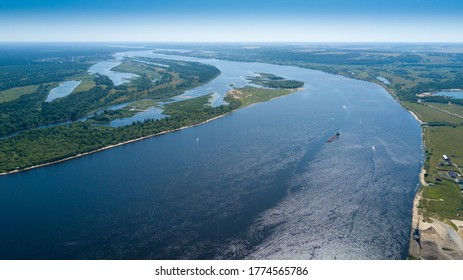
(104, 68)
(384, 80)
(64, 89)
(454, 94)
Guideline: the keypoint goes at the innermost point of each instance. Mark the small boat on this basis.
(334, 137)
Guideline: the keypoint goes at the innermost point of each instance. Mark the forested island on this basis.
(26, 117)
(30, 110)
(274, 81)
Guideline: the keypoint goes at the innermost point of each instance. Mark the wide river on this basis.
(260, 183)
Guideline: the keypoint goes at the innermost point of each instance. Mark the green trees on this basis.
(22, 113)
(40, 146)
(30, 111)
(274, 81)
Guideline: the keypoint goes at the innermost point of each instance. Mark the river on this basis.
(259, 183)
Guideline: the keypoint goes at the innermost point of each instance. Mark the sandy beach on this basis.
(415, 116)
(439, 240)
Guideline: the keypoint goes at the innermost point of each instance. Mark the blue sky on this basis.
(233, 20)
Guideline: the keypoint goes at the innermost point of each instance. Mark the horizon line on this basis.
(240, 42)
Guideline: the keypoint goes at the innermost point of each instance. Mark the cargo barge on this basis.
(334, 137)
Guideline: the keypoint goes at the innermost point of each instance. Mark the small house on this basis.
(446, 158)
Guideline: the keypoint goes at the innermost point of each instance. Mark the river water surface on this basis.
(259, 183)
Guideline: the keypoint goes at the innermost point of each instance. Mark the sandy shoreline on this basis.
(415, 116)
(109, 147)
(439, 241)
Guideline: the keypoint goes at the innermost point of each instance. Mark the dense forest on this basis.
(159, 79)
(30, 110)
(39, 73)
(39, 146)
(22, 65)
(274, 81)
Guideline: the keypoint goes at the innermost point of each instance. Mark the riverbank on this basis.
(246, 97)
(439, 240)
(415, 116)
(110, 147)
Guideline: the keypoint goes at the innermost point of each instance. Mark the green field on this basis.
(13, 93)
(444, 140)
(142, 104)
(430, 114)
(443, 199)
(189, 105)
(139, 68)
(250, 95)
(86, 84)
(449, 108)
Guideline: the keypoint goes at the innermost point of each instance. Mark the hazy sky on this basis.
(232, 20)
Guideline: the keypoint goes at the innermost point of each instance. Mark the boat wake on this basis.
(367, 189)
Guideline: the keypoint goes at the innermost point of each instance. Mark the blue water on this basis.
(384, 80)
(260, 183)
(150, 113)
(64, 89)
(104, 68)
(454, 94)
